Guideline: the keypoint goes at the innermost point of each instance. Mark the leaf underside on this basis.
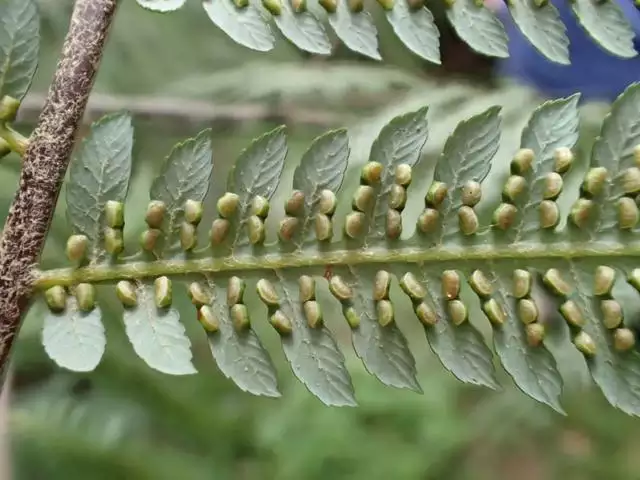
(157, 335)
(240, 355)
(459, 273)
(247, 23)
(74, 340)
(99, 172)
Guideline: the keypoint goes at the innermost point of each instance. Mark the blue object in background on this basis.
(598, 75)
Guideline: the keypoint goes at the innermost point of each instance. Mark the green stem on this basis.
(14, 140)
(485, 253)
(5, 149)
(8, 108)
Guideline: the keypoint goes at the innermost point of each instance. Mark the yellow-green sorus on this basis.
(163, 292)
(114, 214)
(522, 161)
(339, 289)
(155, 214)
(85, 296)
(208, 319)
(235, 291)
(521, 283)
(412, 287)
(604, 279)
(371, 173)
(504, 216)
(354, 224)
(480, 284)
(393, 224)
(228, 204)
(267, 292)
(450, 284)
(323, 227)
(554, 281)
(77, 246)
(471, 193)
(56, 298)
(468, 220)
(294, 206)
(428, 220)
(127, 293)
(307, 286)
(381, 285)
(219, 231)
(436, 195)
(458, 312)
(193, 212)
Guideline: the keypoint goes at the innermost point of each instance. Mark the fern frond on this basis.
(451, 262)
(292, 81)
(246, 22)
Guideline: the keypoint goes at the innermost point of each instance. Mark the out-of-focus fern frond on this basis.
(100, 434)
(302, 82)
(247, 22)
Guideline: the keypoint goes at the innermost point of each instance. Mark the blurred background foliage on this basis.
(179, 74)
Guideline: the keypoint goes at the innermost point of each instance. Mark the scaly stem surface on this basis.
(45, 163)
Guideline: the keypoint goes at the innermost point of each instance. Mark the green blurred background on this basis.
(179, 74)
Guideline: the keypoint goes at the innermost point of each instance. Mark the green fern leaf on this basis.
(606, 24)
(184, 176)
(532, 368)
(161, 5)
(246, 22)
(466, 158)
(245, 26)
(258, 170)
(19, 46)
(478, 27)
(322, 167)
(239, 354)
(310, 348)
(400, 142)
(356, 30)
(75, 340)
(157, 335)
(312, 352)
(542, 26)
(554, 124)
(613, 150)
(99, 172)
(460, 348)
(383, 349)
(256, 174)
(416, 29)
(616, 373)
(303, 29)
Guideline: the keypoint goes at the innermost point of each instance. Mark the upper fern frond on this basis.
(301, 22)
(450, 267)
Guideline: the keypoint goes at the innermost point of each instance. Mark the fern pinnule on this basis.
(301, 22)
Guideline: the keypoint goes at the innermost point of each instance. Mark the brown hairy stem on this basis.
(46, 161)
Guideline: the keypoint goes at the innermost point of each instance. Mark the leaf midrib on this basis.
(527, 254)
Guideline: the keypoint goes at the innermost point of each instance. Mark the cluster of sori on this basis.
(594, 184)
